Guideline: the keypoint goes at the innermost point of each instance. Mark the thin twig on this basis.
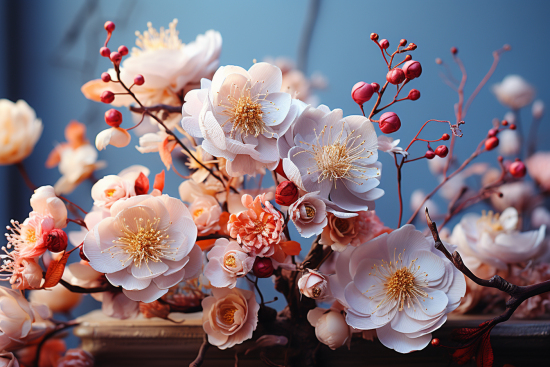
(202, 352)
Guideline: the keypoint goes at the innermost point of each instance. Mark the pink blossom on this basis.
(257, 229)
(309, 214)
(330, 326)
(28, 239)
(538, 166)
(314, 285)
(109, 189)
(206, 214)
(227, 261)
(28, 275)
(45, 202)
(229, 316)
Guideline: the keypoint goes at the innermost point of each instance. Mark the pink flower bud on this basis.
(286, 193)
(430, 154)
(491, 143)
(395, 76)
(107, 96)
(104, 51)
(106, 77)
(113, 117)
(408, 57)
(123, 50)
(55, 240)
(139, 79)
(389, 122)
(109, 26)
(412, 69)
(263, 267)
(115, 57)
(438, 61)
(414, 94)
(517, 169)
(376, 87)
(441, 151)
(384, 43)
(361, 92)
(313, 285)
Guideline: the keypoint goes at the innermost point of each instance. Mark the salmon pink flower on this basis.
(28, 239)
(226, 262)
(206, 214)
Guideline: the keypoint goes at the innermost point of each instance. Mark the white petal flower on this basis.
(388, 145)
(114, 136)
(510, 143)
(514, 92)
(19, 131)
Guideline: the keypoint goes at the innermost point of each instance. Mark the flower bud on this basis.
(286, 193)
(123, 50)
(263, 267)
(538, 109)
(435, 342)
(115, 57)
(362, 92)
(414, 94)
(412, 69)
(438, 61)
(454, 50)
(403, 42)
(332, 330)
(389, 122)
(504, 123)
(491, 143)
(517, 169)
(109, 26)
(493, 132)
(55, 240)
(106, 77)
(375, 87)
(104, 51)
(107, 96)
(384, 43)
(512, 126)
(313, 285)
(412, 46)
(441, 151)
(113, 117)
(139, 79)
(445, 136)
(430, 154)
(374, 36)
(408, 57)
(395, 76)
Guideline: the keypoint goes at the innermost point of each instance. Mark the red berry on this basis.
(504, 122)
(512, 126)
(408, 57)
(389, 122)
(115, 57)
(412, 69)
(493, 132)
(403, 42)
(445, 136)
(107, 97)
(395, 76)
(454, 50)
(362, 92)
(263, 267)
(139, 79)
(109, 26)
(435, 342)
(113, 117)
(491, 143)
(376, 87)
(123, 50)
(374, 36)
(517, 169)
(430, 154)
(384, 44)
(104, 51)
(106, 77)
(56, 240)
(414, 94)
(441, 151)
(286, 193)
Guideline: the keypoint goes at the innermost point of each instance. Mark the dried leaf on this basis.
(159, 181)
(142, 184)
(55, 271)
(485, 357)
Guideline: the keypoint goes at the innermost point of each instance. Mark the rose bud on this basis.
(139, 79)
(376, 87)
(395, 76)
(313, 285)
(332, 330)
(362, 92)
(286, 193)
(106, 77)
(263, 267)
(389, 122)
(414, 94)
(491, 143)
(445, 136)
(154, 309)
(123, 50)
(113, 117)
(517, 169)
(384, 43)
(104, 51)
(412, 69)
(441, 151)
(107, 96)
(430, 154)
(55, 240)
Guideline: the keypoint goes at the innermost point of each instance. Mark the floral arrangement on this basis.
(145, 252)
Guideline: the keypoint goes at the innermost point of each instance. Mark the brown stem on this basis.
(156, 108)
(77, 289)
(58, 328)
(25, 176)
(212, 237)
(398, 167)
(202, 352)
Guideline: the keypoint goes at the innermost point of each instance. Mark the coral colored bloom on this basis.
(226, 262)
(257, 229)
(229, 316)
(19, 131)
(206, 214)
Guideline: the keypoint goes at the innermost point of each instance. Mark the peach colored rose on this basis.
(229, 316)
(227, 261)
(339, 232)
(309, 214)
(206, 214)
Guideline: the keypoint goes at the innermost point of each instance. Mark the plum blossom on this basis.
(388, 145)
(28, 239)
(167, 65)
(309, 214)
(226, 262)
(538, 166)
(314, 285)
(336, 156)
(240, 114)
(399, 285)
(206, 214)
(229, 316)
(19, 131)
(495, 239)
(257, 229)
(44, 201)
(146, 246)
(111, 188)
(514, 92)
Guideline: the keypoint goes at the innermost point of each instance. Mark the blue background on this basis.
(48, 52)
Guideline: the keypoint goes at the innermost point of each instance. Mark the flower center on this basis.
(110, 192)
(336, 158)
(230, 261)
(342, 225)
(229, 315)
(144, 243)
(490, 222)
(152, 39)
(245, 111)
(310, 211)
(31, 235)
(198, 212)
